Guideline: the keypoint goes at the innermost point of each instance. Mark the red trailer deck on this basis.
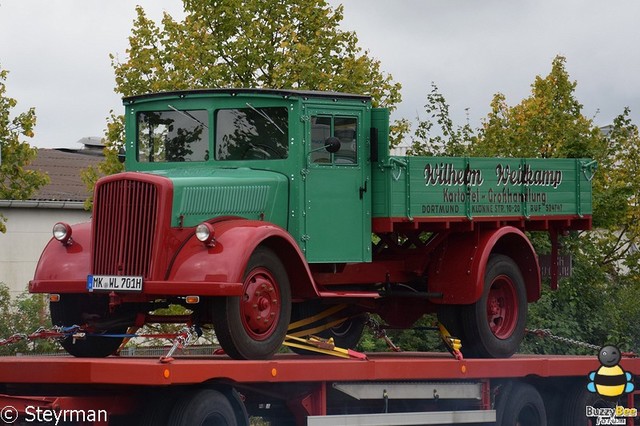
(399, 388)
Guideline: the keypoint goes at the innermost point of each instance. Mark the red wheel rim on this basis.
(502, 307)
(260, 305)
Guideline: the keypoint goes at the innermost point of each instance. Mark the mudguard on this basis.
(235, 241)
(459, 264)
(62, 265)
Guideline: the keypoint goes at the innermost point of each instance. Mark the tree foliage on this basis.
(244, 43)
(250, 43)
(23, 316)
(16, 181)
(437, 135)
(549, 123)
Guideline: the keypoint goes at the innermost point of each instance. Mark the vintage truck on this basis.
(254, 208)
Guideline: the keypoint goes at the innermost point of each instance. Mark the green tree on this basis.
(549, 123)
(23, 316)
(16, 181)
(437, 135)
(245, 43)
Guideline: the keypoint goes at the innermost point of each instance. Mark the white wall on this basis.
(28, 231)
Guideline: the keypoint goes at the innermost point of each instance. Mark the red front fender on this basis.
(64, 263)
(459, 264)
(235, 240)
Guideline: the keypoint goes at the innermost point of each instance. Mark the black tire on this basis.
(494, 326)
(202, 407)
(345, 335)
(158, 407)
(577, 399)
(255, 325)
(522, 406)
(82, 309)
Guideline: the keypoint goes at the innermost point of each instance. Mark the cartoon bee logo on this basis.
(610, 380)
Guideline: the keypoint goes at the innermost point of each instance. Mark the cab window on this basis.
(251, 133)
(343, 128)
(173, 136)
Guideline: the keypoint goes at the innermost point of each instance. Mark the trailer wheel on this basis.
(203, 407)
(494, 326)
(523, 406)
(254, 325)
(574, 407)
(158, 407)
(80, 309)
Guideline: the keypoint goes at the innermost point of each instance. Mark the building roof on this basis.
(63, 168)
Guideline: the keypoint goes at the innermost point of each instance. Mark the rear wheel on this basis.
(345, 334)
(494, 326)
(254, 325)
(81, 310)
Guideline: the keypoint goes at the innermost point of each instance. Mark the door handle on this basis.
(363, 190)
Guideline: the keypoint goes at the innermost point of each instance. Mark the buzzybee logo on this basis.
(610, 380)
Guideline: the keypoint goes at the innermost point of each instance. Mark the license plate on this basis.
(114, 283)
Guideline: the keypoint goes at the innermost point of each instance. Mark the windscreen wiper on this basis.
(265, 116)
(188, 115)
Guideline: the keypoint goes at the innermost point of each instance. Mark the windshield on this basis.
(173, 136)
(251, 133)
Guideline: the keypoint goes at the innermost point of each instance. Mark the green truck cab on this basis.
(256, 208)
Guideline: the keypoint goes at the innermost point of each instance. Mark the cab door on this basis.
(337, 195)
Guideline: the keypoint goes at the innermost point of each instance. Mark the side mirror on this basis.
(332, 144)
(121, 155)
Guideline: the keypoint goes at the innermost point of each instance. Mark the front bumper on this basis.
(155, 288)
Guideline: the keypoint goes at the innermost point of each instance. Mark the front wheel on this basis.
(494, 326)
(81, 310)
(254, 325)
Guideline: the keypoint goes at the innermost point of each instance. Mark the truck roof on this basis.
(255, 91)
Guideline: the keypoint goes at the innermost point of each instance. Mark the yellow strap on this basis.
(310, 344)
(319, 328)
(321, 315)
(315, 349)
(453, 343)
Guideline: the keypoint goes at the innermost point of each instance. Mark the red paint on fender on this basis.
(226, 261)
(459, 264)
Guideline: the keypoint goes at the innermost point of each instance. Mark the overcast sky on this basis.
(57, 52)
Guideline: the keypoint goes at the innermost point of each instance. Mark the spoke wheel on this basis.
(254, 325)
(502, 307)
(260, 306)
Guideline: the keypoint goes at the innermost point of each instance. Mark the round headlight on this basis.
(205, 234)
(62, 232)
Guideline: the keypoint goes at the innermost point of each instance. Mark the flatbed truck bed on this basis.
(397, 388)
